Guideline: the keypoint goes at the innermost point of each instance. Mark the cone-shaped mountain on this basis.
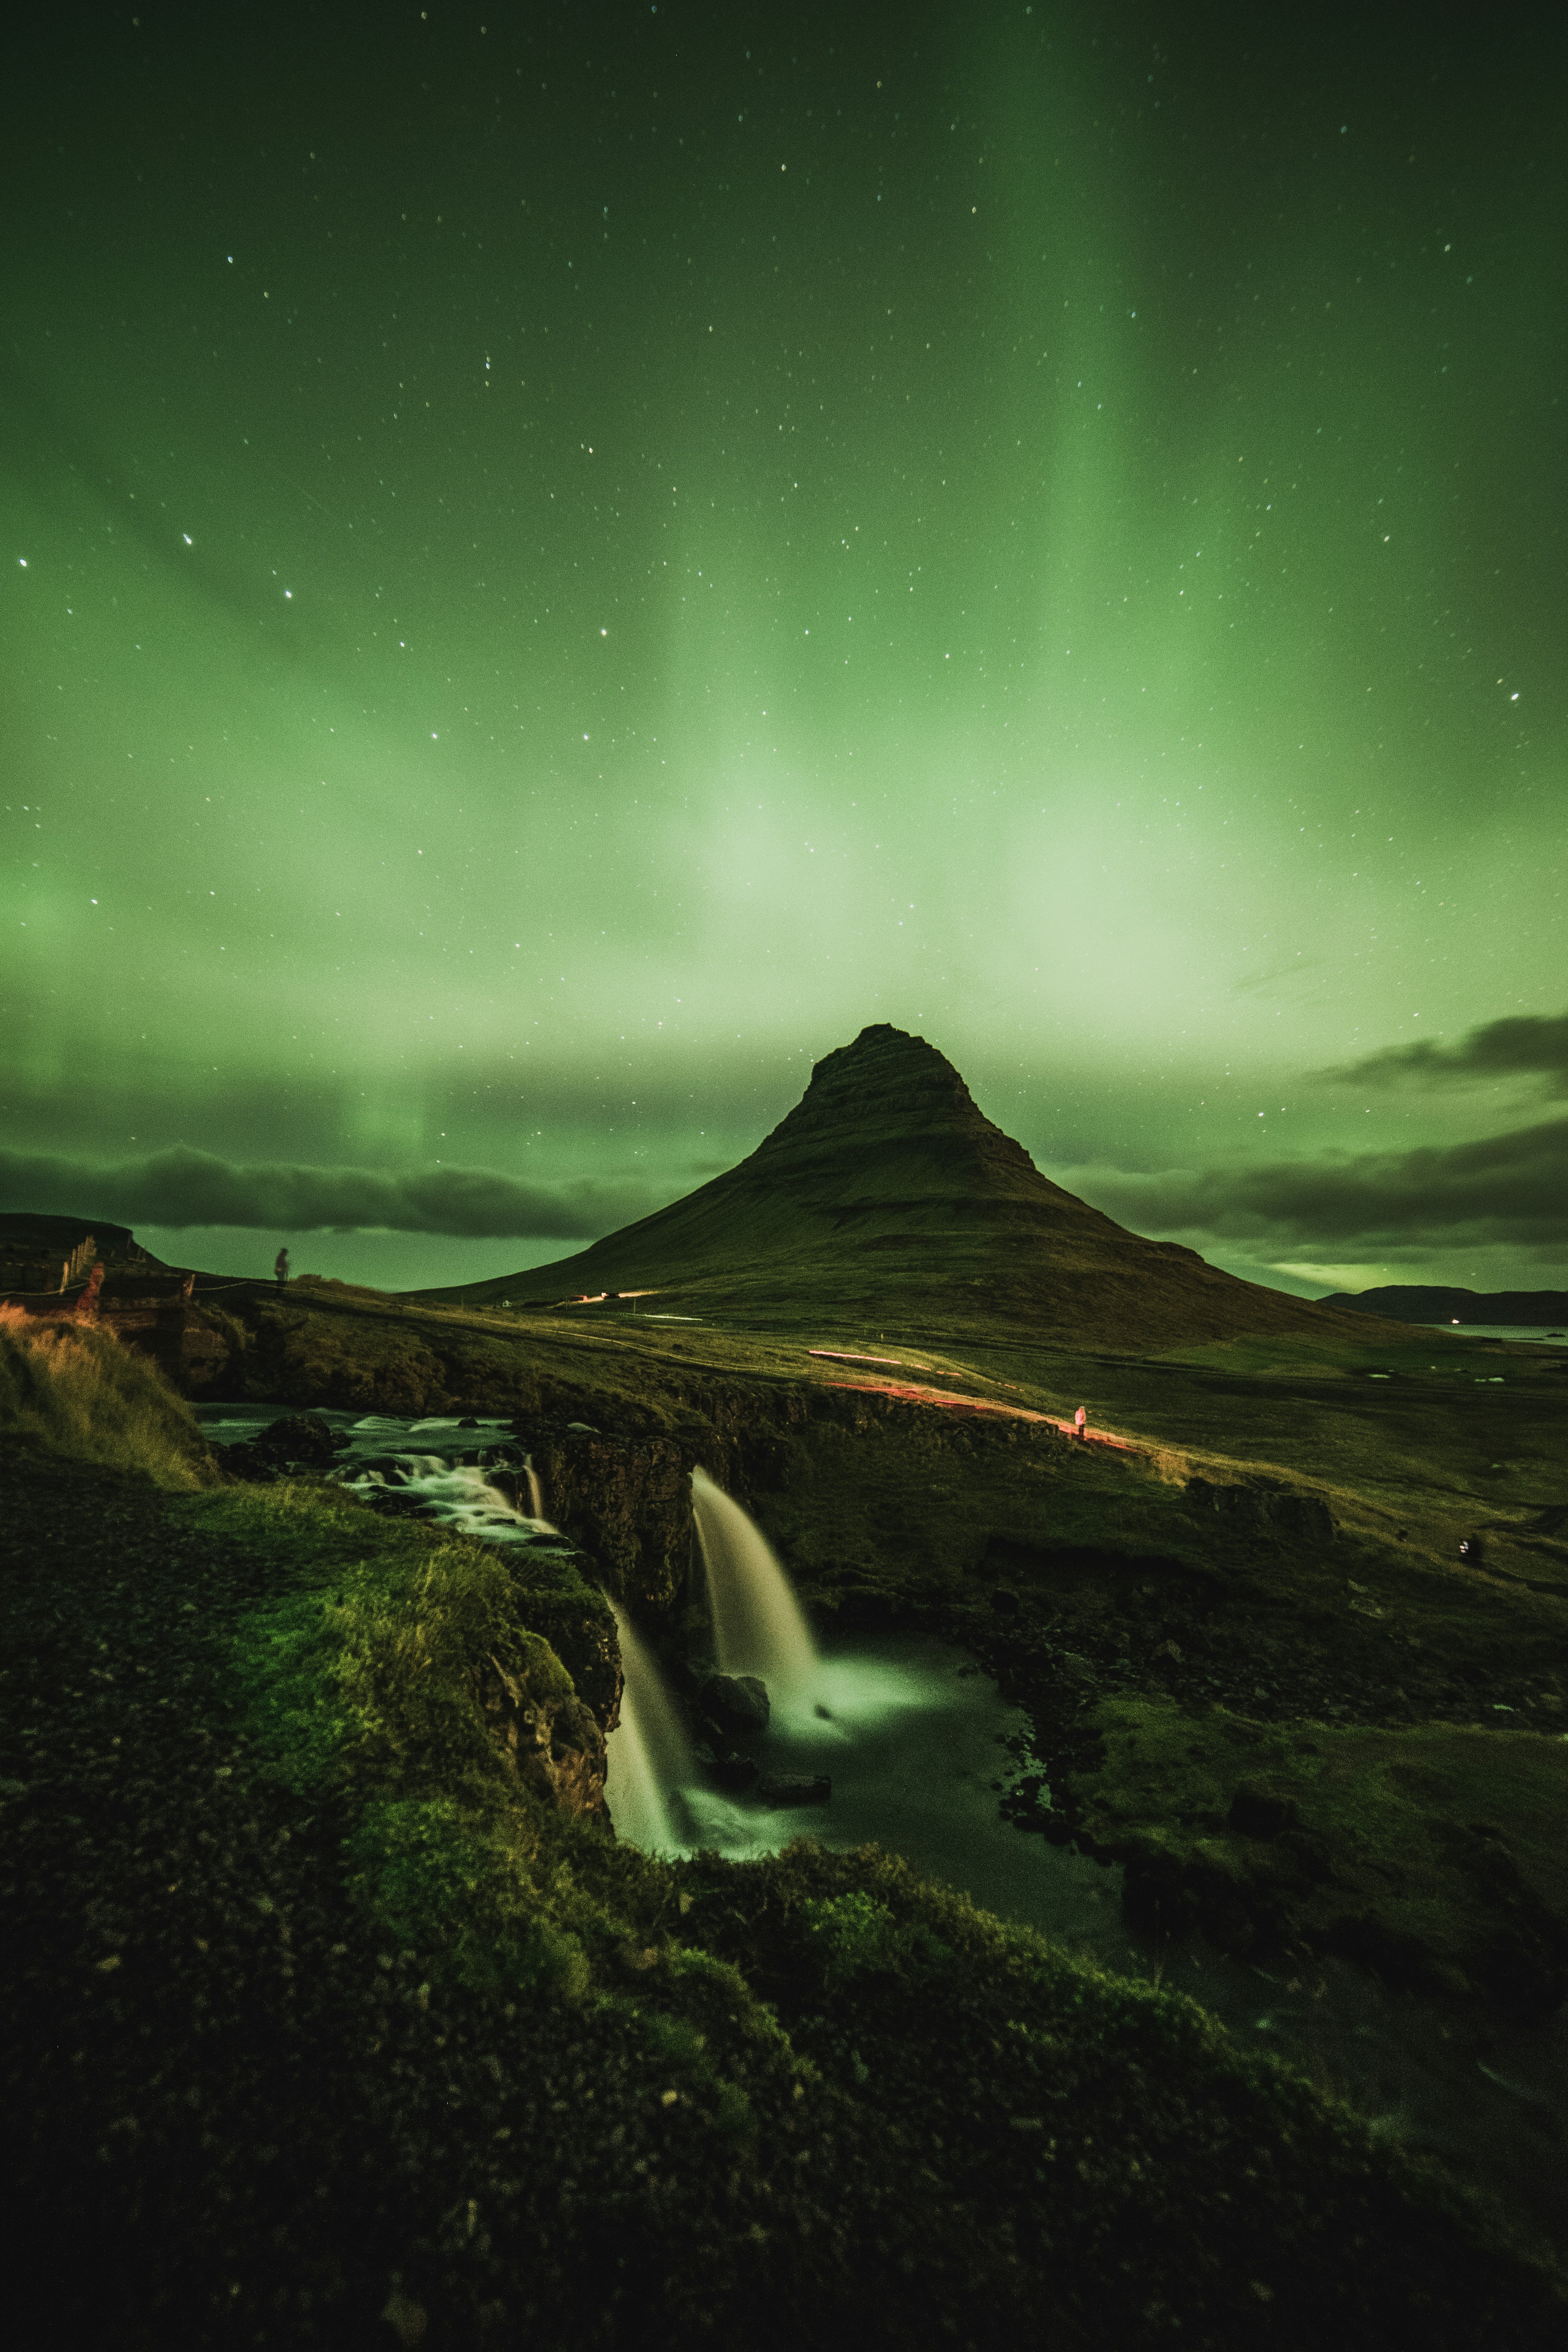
(888, 1192)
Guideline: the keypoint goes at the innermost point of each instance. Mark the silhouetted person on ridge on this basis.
(282, 1267)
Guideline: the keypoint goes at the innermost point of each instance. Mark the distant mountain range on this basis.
(1402, 1302)
(886, 1197)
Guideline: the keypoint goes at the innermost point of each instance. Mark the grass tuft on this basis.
(78, 1392)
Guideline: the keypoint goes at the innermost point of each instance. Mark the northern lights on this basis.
(554, 569)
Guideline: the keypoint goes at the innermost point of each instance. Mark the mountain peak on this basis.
(887, 1092)
(886, 1193)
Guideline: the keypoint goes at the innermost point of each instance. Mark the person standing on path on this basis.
(1080, 1421)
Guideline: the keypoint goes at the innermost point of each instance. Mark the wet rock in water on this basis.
(298, 1440)
(795, 1788)
(396, 1502)
(470, 1420)
(737, 1702)
(734, 1772)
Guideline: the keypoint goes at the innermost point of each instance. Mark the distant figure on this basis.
(86, 1305)
(1080, 1421)
(280, 1267)
(1471, 1549)
(188, 1288)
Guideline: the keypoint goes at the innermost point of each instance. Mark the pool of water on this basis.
(911, 1738)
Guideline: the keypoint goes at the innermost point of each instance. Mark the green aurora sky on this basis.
(557, 564)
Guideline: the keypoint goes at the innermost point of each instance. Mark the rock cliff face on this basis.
(551, 1736)
(626, 1501)
(557, 1598)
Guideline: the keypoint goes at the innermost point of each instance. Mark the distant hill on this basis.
(35, 1250)
(887, 1194)
(1413, 1303)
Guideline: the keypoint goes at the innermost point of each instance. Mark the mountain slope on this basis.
(887, 1192)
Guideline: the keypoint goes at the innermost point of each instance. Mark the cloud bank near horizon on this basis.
(1522, 1045)
(183, 1187)
(1506, 1189)
(1510, 1190)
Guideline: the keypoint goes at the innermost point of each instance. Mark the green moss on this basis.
(857, 1933)
(447, 1880)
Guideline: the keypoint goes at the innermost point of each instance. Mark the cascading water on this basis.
(649, 1755)
(758, 1625)
(535, 1492)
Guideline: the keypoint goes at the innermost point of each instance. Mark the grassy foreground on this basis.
(75, 1391)
(327, 2028)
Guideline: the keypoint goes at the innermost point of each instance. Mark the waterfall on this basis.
(758, 1625)
(648, 1753)
(535, 1492)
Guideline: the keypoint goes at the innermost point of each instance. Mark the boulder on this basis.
(736, 1703)
(795, 1788)
(298, 1440)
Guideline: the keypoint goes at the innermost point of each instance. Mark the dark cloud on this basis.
(193, 1188)
(1533, 1044)
(1507, 1187)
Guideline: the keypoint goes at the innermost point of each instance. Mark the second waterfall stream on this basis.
(759, 1627)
